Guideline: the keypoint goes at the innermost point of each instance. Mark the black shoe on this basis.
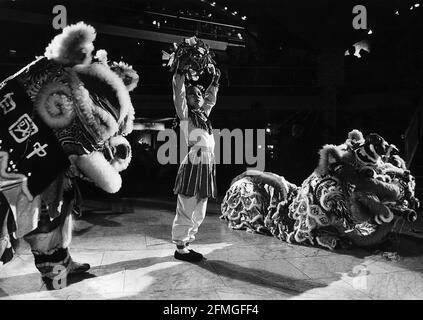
(76, 267)
(192, 256)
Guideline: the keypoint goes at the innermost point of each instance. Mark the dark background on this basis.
(285, 68)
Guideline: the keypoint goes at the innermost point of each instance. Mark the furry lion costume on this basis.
(64, 116)
(354, 196)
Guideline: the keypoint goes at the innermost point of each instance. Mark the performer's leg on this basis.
(182, 224)
(51, 253)
(198, 217)
(181, 229)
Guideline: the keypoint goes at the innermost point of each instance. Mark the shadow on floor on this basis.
(259, 277)
(262, 278)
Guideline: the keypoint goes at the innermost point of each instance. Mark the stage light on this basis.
(239, 36)
(225, 8)
(412, 7)
(347, 53)
(154, 22)
(370, 32)
(417, 5)
(213, 4)
(234, 13)
(397, 13)
(209, 15)
(361, 45)
(244, 18)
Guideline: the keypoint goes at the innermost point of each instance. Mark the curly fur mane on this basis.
(73, 46)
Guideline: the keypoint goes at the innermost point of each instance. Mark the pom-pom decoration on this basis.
(101, 56)
(128, 75)
(190, 57)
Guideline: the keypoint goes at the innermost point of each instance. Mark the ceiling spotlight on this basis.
(234, 13)
(417, 5)
(397, 13)
(209, 15)
(225, 8)
(370, 32)
(347, 53)
(213, 4)
(244, 18)
(361, 45)
(239, 36)
(154, 22)
(412, 7)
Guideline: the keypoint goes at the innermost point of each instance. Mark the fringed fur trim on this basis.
(103, 72)
(355, 139)
(387, 168)
(98, 122)
(329, 154)
(356, 136)
(128, 124)
(128, 75)
(73, 46)
(97, 169)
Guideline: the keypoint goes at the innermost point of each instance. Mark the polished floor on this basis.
(127, 243)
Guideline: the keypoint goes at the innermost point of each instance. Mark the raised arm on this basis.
(211, 92)
(179, 97)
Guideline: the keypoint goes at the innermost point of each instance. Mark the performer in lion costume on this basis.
(353, 197)
(64, 116)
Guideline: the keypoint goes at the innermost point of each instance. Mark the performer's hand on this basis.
(216, 76)
(217, 73)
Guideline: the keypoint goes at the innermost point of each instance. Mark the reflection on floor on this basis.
(127, 243)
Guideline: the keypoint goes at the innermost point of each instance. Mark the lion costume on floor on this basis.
(353, 197)
(64, 116)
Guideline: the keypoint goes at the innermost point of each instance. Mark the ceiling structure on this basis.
(244, 33)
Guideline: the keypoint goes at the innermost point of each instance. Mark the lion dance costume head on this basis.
(63, 116)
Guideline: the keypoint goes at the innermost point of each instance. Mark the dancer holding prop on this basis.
(196, 178)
